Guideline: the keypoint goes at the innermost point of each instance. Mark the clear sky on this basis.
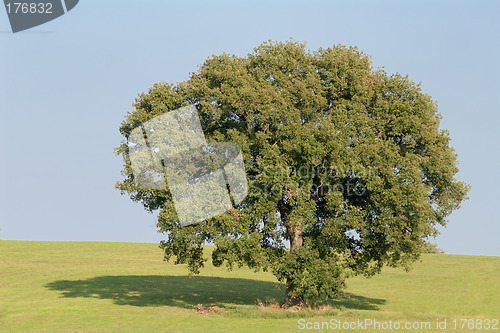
(65, 86)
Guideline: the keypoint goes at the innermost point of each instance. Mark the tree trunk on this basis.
(291, 299)
(296, 242)
(296, 238)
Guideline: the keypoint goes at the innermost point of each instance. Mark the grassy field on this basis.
(126, 287)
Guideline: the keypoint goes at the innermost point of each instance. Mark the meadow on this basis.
(126, 287)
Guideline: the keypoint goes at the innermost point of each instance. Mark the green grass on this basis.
(126, 287)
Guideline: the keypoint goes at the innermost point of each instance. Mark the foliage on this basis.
(433, 248)
(344, 162)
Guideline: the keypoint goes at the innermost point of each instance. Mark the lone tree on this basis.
(345, 163)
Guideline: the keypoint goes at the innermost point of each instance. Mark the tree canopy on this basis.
(347, 167)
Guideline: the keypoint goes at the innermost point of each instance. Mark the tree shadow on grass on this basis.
(351, 301)
(187, 292)
(178, 291)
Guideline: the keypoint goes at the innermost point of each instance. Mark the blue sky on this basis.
(65, 86)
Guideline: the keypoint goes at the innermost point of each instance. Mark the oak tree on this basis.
(348, 169)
